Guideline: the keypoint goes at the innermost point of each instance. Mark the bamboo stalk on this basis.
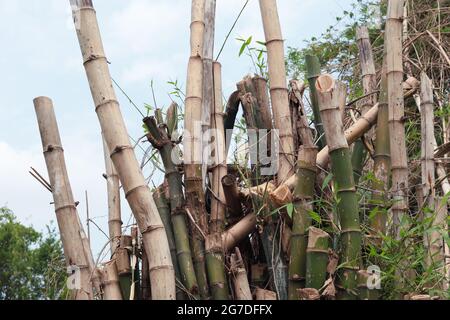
(123, 263)
(110, 280)
(428, 139)
(208, 81)
(113, 127)
(113, 190)
(382, 162)
(215, 261)
(399, 158)
(192, 143)
(231, 111)
(239, 277)
(65, 209)
(312, 73)
(262, 294)
(232, 197)
(347, 207)
(278, 88)
(369, 82)
(317, 258)
(238, 232)
(303, 197)
(162, 206)
(145, 278)
(160, 140)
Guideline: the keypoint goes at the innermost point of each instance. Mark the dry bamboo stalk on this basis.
(433, 240)
(238, 232)
(427, 136)
(239, 277)
(219, 167)
(394, 73)
(113, 189)
(122, 154)
(369, 82)
(208, 82)
(110, 280)
(65, 209)
(278, 88)
(230, 187)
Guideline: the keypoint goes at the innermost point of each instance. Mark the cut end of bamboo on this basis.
(325, 83)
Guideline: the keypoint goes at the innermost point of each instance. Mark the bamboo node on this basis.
(119, 149)
(94, 57)
(51, 148)
(161, 267)
(106, 102)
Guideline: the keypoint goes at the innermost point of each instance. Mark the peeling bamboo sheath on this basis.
(65, 209)
(278, 87)
(399, 161)
(113, 189)
(122, 154)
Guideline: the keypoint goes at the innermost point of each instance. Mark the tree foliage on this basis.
(31, 263)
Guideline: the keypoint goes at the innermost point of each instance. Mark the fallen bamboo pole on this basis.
(65, 209)
(137, 192)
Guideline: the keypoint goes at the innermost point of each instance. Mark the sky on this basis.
(144, 40)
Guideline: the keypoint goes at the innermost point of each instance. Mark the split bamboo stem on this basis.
(347, 207)
(239, 277)
(160, 140)
(136, 190)
(113, 190)
(394, 71)
(278, 88)
(369, 82)
(312, 73)
(110, 280)
(303, 197)
(65, 209)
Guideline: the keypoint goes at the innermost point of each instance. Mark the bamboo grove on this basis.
(356, 207)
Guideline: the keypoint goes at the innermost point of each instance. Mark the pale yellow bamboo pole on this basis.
(137, 192)
(219, 166)
(65, 209)
(394, 72)
(238, 232)
(208, 89)
(110, 280)
(427, 142)
(278, 88)
(113, 189)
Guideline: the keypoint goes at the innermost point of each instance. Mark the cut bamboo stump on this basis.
(66, 212)
(122, 155)
(347, 208)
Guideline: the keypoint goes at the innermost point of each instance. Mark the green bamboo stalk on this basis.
(312, 73)
(160, 140)
(330, 93)
(317, 258)
(301, 220)
(215, 265)
(164, 211)
(382, 163)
